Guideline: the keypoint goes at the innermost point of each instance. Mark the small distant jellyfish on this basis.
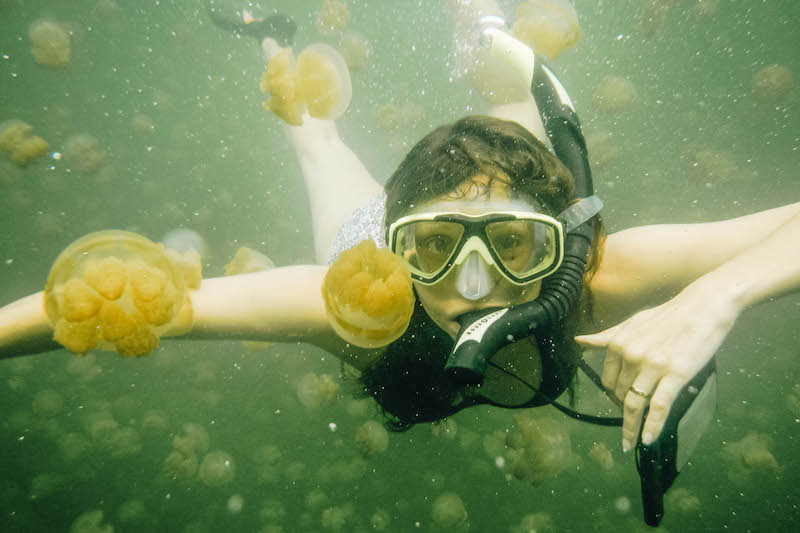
(333, 17)
(317, 390)
(355, 49)
(132, 513)
(371, 438)
(749, 456)
(540, 449)
(83, 153)
(601, 455)
(549, 26)
(235, 503)
(51, 46)
(185, 239)
(21, 146)
(180, 465)
(622, 505)
(682, 500)
(614, 94)
(217, 469)
(91, 522)
(380, 520)
(142, 125)
(48, 403)
(336, 518)
(272, 511)
(445, 429)
(449, 513)
(603, 149)
(154, 424)
(772, 84)
(535, 522)
(389, 117)
(73, 447)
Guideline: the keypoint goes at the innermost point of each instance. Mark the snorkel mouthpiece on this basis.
(469, 360)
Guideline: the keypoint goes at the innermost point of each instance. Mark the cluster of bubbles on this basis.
(50, 44)
(317, 82)
(115, 290)
(17, 142)
(368, 295)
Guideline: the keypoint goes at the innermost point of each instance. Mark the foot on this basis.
(247, 22)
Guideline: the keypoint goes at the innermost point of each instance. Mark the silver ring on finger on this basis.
(640, 393)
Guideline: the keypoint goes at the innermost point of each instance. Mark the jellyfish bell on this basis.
(184, 239)
(115, 290)
(368, 296)
(449, 513)
(180, 465)
(355, 49)
(371, 438)
(540, 449)
(600, 454)
(324, 81)
(246, 260)
(142, 125)
(549, 26)
(333, 17)
(48, 403)
(217, 469)
(317, 390)
(90, 522)
(193, 439)
(538, 522)
(614, 94)
(50, 44)
(772, 84)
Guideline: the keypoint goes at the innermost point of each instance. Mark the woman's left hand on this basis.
(652, 355)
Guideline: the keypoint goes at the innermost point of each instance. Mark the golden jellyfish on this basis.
(317, 82)
(272, 511)
(118, 291)
(50, 44)
(538, 522)
(83, 153)
(22, 147)
(336, 518)
(549, 26)
(154, 424)
(333, 17)
(48, 403)
(389, 117)
(614, 94)
(749, 456)
(380, 520)
(371, 438)
(90, 522)
(368, 296)
(540, 449)
(246, 260)
(142, 125)
(180, 465)
(603, 148)
(682, 500)
(600, 454)
(193, 438)
(217, 469)
(445, 429)
(709, 166)
(132, 513)
(449, 513)
(73, 447)
(772, 84)
(317, 390)
(355, 49)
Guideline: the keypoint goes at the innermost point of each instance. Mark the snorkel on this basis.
(483, 333)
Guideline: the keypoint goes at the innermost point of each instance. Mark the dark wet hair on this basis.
(408, 381)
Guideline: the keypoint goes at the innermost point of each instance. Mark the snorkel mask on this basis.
(478, 242)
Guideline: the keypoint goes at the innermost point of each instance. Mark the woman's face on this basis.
(442, 301)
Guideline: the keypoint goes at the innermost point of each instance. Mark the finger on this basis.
(660, 404)
(611, 367)
(630, 369)
(597, 340)
(634, 406)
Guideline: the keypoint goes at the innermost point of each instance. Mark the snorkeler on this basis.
(479, 214)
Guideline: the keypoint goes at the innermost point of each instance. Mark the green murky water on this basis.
(93, 434)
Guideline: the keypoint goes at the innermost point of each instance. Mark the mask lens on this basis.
(427, 246)
(524, 247)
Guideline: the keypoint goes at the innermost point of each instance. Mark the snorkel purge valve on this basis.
(483, 333)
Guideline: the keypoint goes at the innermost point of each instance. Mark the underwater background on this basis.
(155, 122)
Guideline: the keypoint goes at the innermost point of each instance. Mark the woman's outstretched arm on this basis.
(720, 269)
(279, 305)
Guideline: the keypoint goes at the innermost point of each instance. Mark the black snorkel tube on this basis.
(483, 333)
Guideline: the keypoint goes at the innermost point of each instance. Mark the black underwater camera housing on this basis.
(660, 462)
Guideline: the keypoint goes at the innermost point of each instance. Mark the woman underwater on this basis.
(658, 299)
